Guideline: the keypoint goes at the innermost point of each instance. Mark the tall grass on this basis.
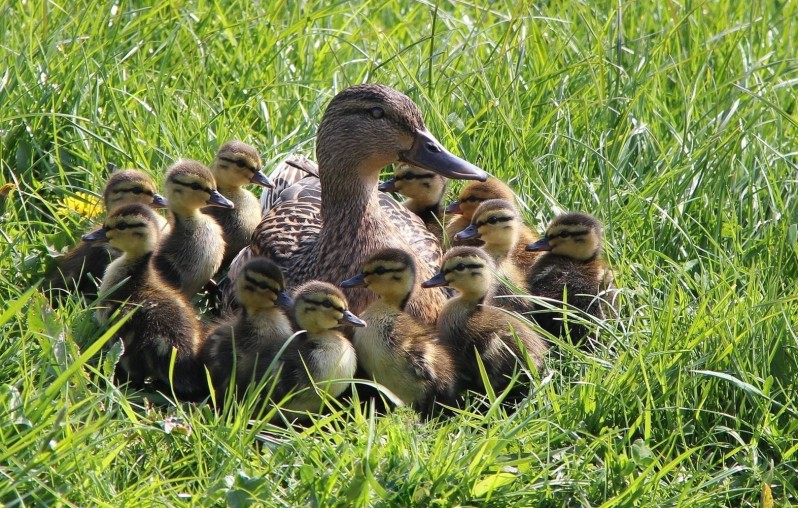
(674, 123)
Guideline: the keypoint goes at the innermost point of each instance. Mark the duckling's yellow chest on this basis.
(195, 248)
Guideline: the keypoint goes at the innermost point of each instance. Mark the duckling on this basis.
(260, 328)
(321, 233)
(470, 322)
(396, 349)
(192, 252)
(237, 164)
(471, 195)
(424, 190)
(164, 320)
(78, 269)
(319, 352)
(571, 270)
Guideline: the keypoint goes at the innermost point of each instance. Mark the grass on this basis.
(675, 123)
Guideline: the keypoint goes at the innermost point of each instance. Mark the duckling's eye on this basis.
(241, 164)
(565, 234)
(137, 190)
(493, 220)
(460, 267)
(327, 304)
(380, 270)
(121, 227)
(377, 112)
(196, 186)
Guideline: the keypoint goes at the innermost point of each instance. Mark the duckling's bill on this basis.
(437, 281)
(358, 280)
(96, 236)
(468, 233)
(260, 179)
(428, 153)
(388, 185)
(217, 199)
(453, 208)
(284, 300)
(159, 201)
(350, 319)
(541, 245)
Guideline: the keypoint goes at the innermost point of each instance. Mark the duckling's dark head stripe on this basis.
(241, 163)
(321, 303)
(413, 176)
(193, 185)
(125, 225)
(259, 284)
(497, 221)
(134, 190)
(469, 266)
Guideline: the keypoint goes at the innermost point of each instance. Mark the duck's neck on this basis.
(347, 190)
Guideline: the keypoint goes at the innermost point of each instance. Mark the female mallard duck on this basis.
(470, 322)
(498, 224)
(164, 321)
(80, 268)
(260, 328)
(397, 350)
(424, 191)
(471, 195)
(237, 164)
(319, 354)
(326, 230)
(570, 270)
(193, 250)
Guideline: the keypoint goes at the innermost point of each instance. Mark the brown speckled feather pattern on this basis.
(291, 230)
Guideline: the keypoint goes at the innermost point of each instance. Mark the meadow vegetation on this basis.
(673, 122)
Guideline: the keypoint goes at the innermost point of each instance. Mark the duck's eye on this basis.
(137, 190)
(493, 220)
(121, 227)
(377, 112)
(196, 186)
(460, 267)
(380, 270)
(565, 234)
(327, 304)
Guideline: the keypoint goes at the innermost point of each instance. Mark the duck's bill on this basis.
(428, 153)
(284, 300)
(217, 199)
(437, 281)
(351, 319)
(158, 201)
(541, 245)
(259, 178)
(388, 185)
(453, 208)
(468, 233)
(98, 235)
(357, 281)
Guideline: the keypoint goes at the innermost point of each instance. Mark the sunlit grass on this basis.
(675, 124)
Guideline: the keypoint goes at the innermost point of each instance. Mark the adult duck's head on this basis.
(367, 127)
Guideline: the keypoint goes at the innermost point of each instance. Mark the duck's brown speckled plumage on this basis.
(573, 266)
(193, 250)
(470, 323)
(164, 320)
(78, 269)
(327, 233)
(396, 349)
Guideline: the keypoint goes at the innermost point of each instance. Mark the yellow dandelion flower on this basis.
(83, 204)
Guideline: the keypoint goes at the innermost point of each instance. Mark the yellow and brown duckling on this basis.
(163, 321)
(570, 270)
(260, 328)
(321, 234)
(319, 353)
(80, 268)
(469, 322)
(192, 252)
(424, 191)
(397, 350)
(471, 196)
(236, 165)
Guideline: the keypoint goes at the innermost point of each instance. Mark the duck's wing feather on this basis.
(288, 173)
(413, 230)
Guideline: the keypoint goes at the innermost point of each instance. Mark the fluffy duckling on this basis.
(471, 196)
(342, 218)
(396, 349)
(424, 191)
(498, 224)
(259, 329)
(192, 252)
(163, 321)
(78, 269)
(237, 164)
(571, 270)
(319, 352)
(470, 322)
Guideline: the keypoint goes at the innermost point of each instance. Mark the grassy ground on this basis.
(675, 123)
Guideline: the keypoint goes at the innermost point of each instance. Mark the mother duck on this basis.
(328, 229)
